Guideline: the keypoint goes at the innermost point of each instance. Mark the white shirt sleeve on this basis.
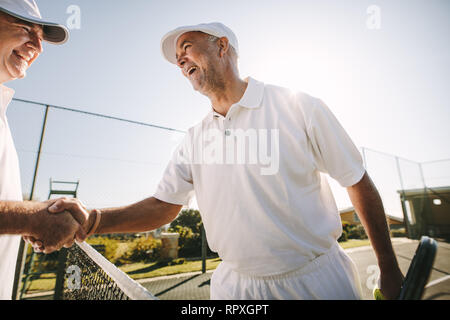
(333, 150)
(176, 185)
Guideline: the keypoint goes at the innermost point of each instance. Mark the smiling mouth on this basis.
(21, 57)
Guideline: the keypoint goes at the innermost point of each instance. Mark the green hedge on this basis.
(189, 225)
(120, 252)
(350, 231)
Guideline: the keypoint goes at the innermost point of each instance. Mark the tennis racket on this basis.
(418, 272)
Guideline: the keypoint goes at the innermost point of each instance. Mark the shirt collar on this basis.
(252, 97)
(6, 95)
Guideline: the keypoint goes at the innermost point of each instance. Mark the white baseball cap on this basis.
(217, 29)
(28, 10)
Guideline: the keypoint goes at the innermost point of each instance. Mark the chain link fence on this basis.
(417, 192)
(116, 161)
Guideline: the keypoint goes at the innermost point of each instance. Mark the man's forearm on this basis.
(15, 216)
(146, 215)
(369, 207)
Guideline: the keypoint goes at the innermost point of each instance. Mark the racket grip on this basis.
(377, 295)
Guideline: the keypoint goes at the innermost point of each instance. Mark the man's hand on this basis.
(75, 207)
(368, 205)
(390, 283)
(78, 212)
(145, 215)
(50, 231)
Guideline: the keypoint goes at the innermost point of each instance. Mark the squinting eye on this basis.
(186, 46)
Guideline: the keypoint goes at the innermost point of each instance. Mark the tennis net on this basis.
(90, 276)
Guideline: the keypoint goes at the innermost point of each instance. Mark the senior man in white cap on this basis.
(22, 31)
(272, 218)
(276, 231)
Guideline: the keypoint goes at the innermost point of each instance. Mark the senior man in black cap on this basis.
(22, 32)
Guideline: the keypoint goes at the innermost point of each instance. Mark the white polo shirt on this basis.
(256, 176)
(11, 190)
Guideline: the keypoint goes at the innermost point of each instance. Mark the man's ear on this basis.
(224, 46)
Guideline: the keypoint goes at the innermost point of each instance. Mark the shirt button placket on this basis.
(227, 125)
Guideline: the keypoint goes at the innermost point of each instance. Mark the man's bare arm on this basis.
(369, 207)
(146, 215)
(16, 217)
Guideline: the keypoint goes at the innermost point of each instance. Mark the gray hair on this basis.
(233, 53)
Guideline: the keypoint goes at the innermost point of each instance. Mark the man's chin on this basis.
(195, 86)
(17, 74)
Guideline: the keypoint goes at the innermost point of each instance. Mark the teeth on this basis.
(24, 58)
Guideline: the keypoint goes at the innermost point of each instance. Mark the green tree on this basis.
(189, 225)
(189, 218)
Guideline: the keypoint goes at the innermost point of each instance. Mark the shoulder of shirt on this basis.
(199, 125)
(303, 98)
(304, 101)
(6, 89)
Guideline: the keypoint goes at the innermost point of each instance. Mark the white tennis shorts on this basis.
(331, 276)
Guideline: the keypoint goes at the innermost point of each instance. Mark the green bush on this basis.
(346, 226)
(189, 243)
(398, 232)
(190, 219)
(176, 262)
(139, 250)
(145, 249)
(343, 236)
(111, 244)
(189, 225)
(119, 250)
(357, 232)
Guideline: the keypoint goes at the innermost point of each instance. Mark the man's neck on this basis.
(232, 93)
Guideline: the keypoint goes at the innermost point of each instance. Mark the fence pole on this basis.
(59, 285)
(21, 256)
(422, 176)
(203, 249)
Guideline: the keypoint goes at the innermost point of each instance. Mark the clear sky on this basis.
(387, 80)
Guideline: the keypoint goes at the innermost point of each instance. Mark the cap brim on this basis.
(53, 33)
(168, 44)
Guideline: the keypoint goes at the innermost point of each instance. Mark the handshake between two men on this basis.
(58, 223)
(50, 225)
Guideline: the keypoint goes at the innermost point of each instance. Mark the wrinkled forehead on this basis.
(190, 36)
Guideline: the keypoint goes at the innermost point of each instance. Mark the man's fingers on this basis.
(28, 239)
(38, 243)
(80, 235)
(48, 250)
(57, 206)
(74, 206)
(69, 244)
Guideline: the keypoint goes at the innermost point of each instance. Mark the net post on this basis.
(59, 285)
(203, 250)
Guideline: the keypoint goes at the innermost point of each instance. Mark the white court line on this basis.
(435, 282)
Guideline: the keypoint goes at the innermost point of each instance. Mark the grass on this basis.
(353, 243)
(141, 270)
(150, 270)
